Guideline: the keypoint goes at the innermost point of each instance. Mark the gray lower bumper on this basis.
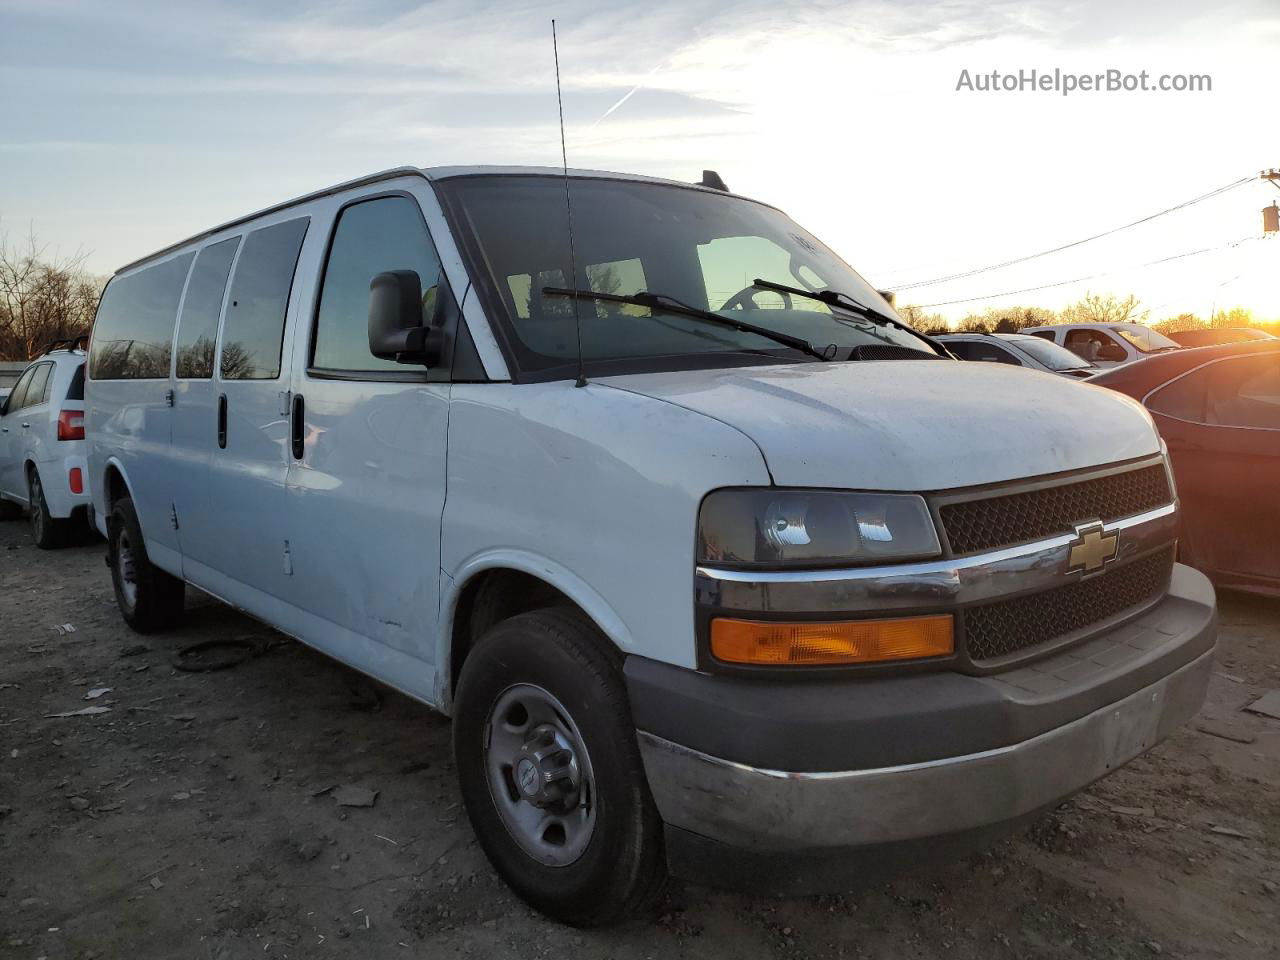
(741, 805)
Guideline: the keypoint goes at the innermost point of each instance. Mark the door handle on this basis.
(222, 421)
(26, 426)
(299, 427)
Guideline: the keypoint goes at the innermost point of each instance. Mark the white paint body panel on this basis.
(595, 490)
(912, 425)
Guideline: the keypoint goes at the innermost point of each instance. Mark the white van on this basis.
(721, 571)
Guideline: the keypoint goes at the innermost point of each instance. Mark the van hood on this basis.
(911, 425)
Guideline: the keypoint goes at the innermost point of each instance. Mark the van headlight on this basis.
(814, 527)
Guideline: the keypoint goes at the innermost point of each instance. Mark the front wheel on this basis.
(551, 774)
(149, 599)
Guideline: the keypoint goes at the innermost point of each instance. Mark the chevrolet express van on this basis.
(721, 570)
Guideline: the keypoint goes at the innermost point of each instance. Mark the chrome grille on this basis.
(1005, 627)
(1001, 521)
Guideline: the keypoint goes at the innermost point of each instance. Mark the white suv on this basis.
(42, 449)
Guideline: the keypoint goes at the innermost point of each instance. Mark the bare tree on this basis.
(41, 299)
(1235, 317)
(1183, 321)
(916, 317)
(1105, 308)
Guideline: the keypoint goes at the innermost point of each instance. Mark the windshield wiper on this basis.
(834, 298)
(660, 302)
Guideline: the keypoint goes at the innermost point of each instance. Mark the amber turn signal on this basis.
(815, 644)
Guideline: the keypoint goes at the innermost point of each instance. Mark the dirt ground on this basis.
(196, 819)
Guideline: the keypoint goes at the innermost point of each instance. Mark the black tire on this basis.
(149, 599)
(48, 531)
(622, 871)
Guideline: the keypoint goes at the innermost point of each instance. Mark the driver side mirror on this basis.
(399, 329)
(1112, 352)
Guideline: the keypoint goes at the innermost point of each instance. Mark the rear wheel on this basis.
(149, 599)
(551, 774)
(48, 531)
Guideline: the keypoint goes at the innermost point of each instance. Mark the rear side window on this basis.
(371, 237)
(133, 332)
(198, 325)
(38, 388)
(76, 390)
(990, 353)
(1182, 398)
(1244, 392)
(253, 331)
(19, 392)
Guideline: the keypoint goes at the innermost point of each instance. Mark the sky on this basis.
(129, 125)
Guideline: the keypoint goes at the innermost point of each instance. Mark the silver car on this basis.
(1020, 350)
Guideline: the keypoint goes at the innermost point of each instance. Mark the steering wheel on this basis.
(746, 298)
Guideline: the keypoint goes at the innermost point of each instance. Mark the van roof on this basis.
(428, 173)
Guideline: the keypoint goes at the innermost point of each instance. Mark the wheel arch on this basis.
(498, 586)
(115, 484)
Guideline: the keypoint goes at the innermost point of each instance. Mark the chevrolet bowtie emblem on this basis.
(1092, 549)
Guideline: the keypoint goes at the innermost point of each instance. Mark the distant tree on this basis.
(41, 299)
(1104, 308)
(916, 317)
(1013, 319)
(1183, 321)
(973, 323)
(1235, 317)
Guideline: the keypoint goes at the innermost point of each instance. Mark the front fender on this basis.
(535, 565)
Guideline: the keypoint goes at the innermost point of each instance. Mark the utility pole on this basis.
(1271, 214)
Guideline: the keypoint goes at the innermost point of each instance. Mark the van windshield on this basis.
(701, 248)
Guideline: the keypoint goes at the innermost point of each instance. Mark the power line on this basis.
(1091, 276)
(1074, 243)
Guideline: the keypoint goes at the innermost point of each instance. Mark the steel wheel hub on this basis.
(540, 775)
(128, 569)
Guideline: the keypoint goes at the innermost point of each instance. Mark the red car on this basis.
(1218, 409)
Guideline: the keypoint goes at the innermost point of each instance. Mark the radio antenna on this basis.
(568, 208)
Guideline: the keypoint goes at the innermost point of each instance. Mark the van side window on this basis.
(133, 331)
(371, 237)
(198, 325)
(253, 332)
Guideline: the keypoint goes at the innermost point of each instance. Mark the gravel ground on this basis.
(198, 818)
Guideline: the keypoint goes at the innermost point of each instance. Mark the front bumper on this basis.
(1034, 736)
